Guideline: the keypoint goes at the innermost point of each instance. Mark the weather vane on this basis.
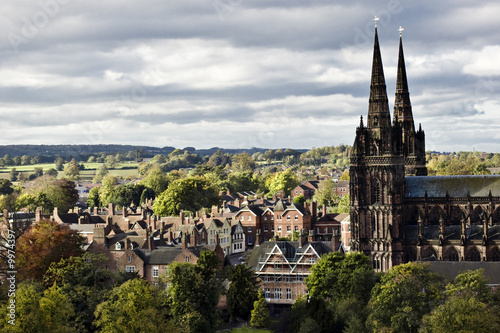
(375, 19)
(400, 30)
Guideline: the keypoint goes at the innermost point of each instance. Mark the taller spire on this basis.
(378, 109)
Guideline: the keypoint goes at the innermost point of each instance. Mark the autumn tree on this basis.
(42, 244)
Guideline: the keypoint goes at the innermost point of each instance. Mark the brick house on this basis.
(282, 267)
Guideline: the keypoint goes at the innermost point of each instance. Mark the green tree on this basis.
(101, 172)
(470, 283)
(282, 181)
(107, 188)
(93, 199)
(13, 174)
(465, 313)
(7, 160)
(155, 179)
(260, 314)
(242, 162)
(25, 160)
(191, 194)
(32, 202)
(52, 172)
(91, 159)
(325, 195)
(337, 276)
(134, 306)
(61, 192)
(242, 181)
(5, 187)
(72, 171)
(59, 164)
(147, 194)
(194, 296)
(42, 244)
(16, 160)
(343, 206)
(243, 291)
(404, 295)
(39, 311)
(299, 200)
(110, 162)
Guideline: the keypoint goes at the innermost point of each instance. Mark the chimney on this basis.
(302, 238)
(124, 211)
(314, 210)
(237, 202)
(155, 226)
(192, 239)
(38, 214)
(151, 241)
(127, 244)
(162, 240)
(96, 211)
(274, 197)
(311, 236)
(110, 223)
(184, 241)
(228, 192)
(55, 214)
(257, 237)
(215, 210)
(80, 219)
(335, 240)
(324, 209)
(181, 216)
(170, 236)
(197, 215)
(144, 214)
(111, 209)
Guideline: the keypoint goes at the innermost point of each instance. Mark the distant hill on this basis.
(68, 151)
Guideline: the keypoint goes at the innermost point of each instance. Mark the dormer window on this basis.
(118, 246)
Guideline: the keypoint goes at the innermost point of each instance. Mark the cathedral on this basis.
(398, 213)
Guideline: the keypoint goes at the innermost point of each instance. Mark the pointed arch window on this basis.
(375, 192)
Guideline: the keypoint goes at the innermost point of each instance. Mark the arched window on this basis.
(451, 255)
(118, 246)
(375, 192)
(473, 255)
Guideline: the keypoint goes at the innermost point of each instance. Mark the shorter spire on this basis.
(361, 122)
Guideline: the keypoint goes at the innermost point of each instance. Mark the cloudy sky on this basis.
(242, 73)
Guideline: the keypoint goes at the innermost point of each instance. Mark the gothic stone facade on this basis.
(398, 213)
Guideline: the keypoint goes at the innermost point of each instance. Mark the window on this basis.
(311, 260)
(129, 258)
(296, 192)
(265, 218)
(118, 246)
(272, 228)
(288, 293)
(249, 229)
(130, 269)
(279, 228)
(242, 218)
(156, 271)
(249, 218)
(272, 218)
(296, 228)
(288, 228)
(249, 240)
(266, 278)
(296, 217)
(187, 259)
(277, 279)
(265, 227)
(267, 293)
(288, 217)
(349, 228)
(277, 293)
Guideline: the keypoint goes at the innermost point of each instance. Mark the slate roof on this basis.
(290, 250)
(450, 269)
(456, 186)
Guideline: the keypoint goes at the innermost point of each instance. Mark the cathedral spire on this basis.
(402, 104)
(378, 109)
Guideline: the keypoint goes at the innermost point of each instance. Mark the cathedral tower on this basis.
(413, 143)
(377, 177)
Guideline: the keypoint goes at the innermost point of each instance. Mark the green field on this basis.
(122, 170)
